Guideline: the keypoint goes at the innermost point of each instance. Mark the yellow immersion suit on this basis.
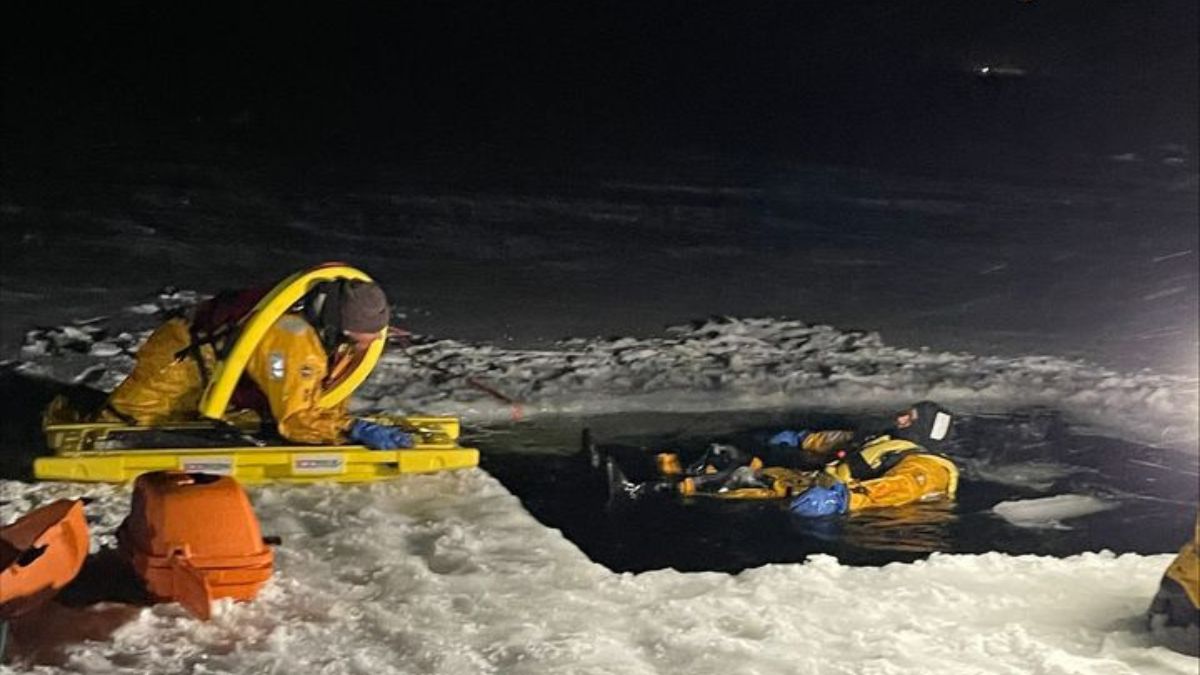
(1186, 567)
(1179, 593)
(901, 472)
(288, 365)
(915, 476)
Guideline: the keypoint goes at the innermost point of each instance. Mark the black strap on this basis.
(331, 317)
(193, 350)
(861, 470)
(221, 340)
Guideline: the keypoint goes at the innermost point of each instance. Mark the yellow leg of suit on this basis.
(917, 478)
(164, 387)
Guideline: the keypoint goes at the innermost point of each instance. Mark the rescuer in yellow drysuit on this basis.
(284, 376)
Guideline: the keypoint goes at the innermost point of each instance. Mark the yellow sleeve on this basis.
(289, 365)
(822, 442)
(917, 478)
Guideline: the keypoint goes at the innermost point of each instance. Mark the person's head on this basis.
(363, 312)
(925, 423)
(905, 418)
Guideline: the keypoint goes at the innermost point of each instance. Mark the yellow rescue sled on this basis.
(220, 443)
(115, 453)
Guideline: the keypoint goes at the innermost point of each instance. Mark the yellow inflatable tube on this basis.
(268, 310)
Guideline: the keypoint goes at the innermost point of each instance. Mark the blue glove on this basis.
(379, 436)
(819, 501)
(788, 437)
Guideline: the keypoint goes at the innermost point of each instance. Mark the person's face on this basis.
(361, 341)
(906, 418)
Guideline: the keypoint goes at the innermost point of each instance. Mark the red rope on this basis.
(400, 337)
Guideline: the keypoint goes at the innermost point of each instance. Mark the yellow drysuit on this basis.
(1178, 596)
(288, 365)
(917, 476)
(911, 474)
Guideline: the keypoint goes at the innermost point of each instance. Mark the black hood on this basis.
(931, 429)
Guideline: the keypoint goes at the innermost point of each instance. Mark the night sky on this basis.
(865, 82)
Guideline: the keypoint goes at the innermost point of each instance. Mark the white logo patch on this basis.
(275, 364)
(941, 425)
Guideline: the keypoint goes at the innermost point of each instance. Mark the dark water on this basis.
(1031, 455)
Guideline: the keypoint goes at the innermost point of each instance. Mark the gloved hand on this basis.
(379, 436)
(788, 437)
(819, 501)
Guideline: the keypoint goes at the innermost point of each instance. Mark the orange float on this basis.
(39, 554)
(194, 538)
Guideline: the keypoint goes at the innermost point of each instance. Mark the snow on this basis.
(449, 574)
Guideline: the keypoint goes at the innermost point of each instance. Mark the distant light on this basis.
(999, 71)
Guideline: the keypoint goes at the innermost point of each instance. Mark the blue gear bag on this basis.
(819, 501)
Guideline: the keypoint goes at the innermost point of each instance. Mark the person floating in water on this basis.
(824, 472)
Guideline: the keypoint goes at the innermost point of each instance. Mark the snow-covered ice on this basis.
(722, 363)
(449, 574)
